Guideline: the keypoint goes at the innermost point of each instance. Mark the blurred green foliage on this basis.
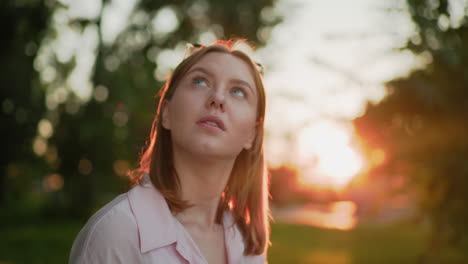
(22, 100)
(67, 154)
(422, 125)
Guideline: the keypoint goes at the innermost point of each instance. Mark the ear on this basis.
(250, 138)
(165, 115)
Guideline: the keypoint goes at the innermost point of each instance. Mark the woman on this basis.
(201, 193)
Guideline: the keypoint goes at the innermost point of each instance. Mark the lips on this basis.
(212, 121)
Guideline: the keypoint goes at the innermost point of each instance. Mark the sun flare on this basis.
(325, 148)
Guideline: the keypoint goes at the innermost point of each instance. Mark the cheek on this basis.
(183, 108)
(245, 122)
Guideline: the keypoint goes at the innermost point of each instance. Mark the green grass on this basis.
(37, 241)
(303, 244)
(40, 241)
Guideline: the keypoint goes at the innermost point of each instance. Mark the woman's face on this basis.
(213, 109)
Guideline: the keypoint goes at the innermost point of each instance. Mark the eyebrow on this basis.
(236, 81)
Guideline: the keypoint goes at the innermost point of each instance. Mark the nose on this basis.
(217, 100)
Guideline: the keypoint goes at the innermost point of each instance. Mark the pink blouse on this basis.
(137, 227)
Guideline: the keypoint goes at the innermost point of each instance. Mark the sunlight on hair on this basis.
(247, 49)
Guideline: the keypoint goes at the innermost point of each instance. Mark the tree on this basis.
(284, 186)
(22, 100)
(422, 124)
(95, 93)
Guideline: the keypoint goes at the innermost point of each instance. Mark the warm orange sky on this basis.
(323, 62)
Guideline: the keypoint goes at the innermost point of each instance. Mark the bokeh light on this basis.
(85, 166)
(53, 182)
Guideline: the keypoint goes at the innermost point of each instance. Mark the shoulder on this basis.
(236, 244)
(256, 259)
(109, 235)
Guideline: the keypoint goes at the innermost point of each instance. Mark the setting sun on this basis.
(325, 149)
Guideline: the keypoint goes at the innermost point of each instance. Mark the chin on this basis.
(214, 152)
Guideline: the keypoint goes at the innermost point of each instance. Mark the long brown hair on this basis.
(246, 193)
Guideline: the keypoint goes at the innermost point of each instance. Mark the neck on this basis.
(202, 183)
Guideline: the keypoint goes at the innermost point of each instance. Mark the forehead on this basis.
(226, 66)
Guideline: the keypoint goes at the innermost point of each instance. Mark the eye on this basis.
(200, 81)
(238, 91)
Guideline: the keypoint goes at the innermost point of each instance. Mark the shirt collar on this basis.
(155, 222)
(157, 227)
